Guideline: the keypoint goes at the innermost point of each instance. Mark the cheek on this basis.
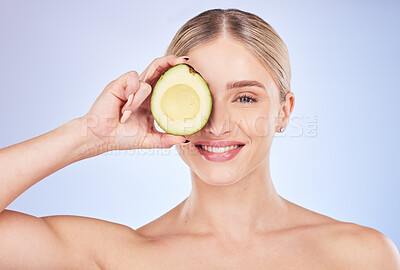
(256, 124)
(187, 154)
(262, 126)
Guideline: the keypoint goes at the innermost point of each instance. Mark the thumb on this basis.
(166, 140)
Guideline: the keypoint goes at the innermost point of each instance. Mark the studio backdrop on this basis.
(339, 154)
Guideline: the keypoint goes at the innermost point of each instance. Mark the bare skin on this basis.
(233, 218)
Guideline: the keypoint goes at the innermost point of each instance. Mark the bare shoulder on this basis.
(100, 239)
(88, 225)
(358, 247)
(346, 245)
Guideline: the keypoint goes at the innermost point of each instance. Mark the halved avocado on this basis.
(181, 100)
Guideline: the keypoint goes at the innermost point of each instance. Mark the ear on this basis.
(285, 110)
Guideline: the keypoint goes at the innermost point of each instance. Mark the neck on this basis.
(236, 211)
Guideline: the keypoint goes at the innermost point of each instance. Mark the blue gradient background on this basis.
(338, 157)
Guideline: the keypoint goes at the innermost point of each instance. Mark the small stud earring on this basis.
(282, 129)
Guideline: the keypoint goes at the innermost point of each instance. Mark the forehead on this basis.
(225, 60)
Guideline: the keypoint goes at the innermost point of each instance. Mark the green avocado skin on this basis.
(205, 115)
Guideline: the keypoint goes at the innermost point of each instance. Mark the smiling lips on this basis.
(219, 150)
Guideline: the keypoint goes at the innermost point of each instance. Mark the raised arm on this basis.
(120, 119)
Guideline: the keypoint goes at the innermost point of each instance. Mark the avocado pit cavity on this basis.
(180, 102)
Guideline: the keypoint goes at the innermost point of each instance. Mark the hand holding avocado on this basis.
(121, 119)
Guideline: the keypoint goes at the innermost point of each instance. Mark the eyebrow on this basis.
(245, 83)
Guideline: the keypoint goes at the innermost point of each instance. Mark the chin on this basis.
(214, 173)
(218, 178)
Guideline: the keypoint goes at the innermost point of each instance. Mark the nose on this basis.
(218, 123)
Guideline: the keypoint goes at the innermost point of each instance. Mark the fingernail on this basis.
(125, 116)
(185, 57)
(184, 143)
(130, 99)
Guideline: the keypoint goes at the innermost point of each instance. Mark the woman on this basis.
(233, 218)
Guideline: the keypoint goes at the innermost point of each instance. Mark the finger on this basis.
(125, 86)
(125, 116)
(159, 66)
(137, 98)
(165, 140)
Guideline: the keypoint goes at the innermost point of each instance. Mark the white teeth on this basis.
(219, 149)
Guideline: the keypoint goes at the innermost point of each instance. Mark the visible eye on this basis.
(247, 98)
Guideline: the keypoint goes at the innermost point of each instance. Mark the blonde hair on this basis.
(244, 27)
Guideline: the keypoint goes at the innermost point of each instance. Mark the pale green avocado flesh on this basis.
(181, 101)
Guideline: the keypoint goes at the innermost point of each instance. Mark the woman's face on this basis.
(241, 115)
